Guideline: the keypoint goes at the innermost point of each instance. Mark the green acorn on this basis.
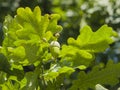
(55, 48)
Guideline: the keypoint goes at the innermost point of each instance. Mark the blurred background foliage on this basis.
(74, 15)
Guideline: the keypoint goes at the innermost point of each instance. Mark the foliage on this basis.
(74, 15)
(89, 80)
(31, 41)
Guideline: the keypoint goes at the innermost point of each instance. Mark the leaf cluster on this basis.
(31, 42)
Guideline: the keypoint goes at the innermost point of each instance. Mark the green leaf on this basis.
(55, 71)
(31, 52)
(24, 15)
(18, 73)
(19, 52)
(81, 51)
(106, 76)
(56, 84)
(76, 56)
(42, 28)
(4, 64)
(12, 83)
(32, 81)
(37, 13)
(82, 67)
(50, 76)
(28, 34)
(8, 86)
(2, 77)
(53, 23)
(92, 41)
(52, 73)
(66, 70)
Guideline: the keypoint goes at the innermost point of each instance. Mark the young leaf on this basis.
(81, 51)
(53, 23)
(92, 41)
(28, 34)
